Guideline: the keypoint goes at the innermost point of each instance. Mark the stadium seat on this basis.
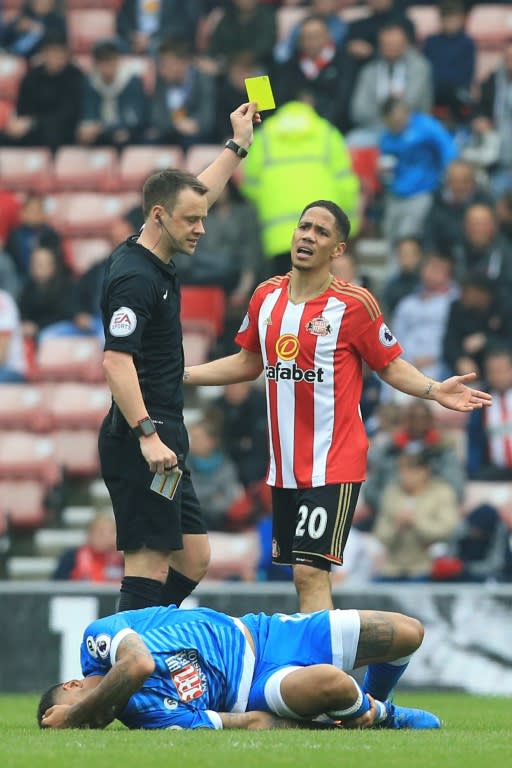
(70, 358)
(75, 405)
(200, 156)
(12, 69)
(490, 25)
(24, 406)
(6, 110)
(73, 5)
(30, 456)
(486, 63)
(354, 12)
(203, 309)
(86, 27)
(497, 494)
(87, 214)
(196, 347)
(234, 555)
(425, 19)
(137, 163)
(80, 168)
(365, 165)
(82, 253)
(77, 452)
(23, 503)
(29, 169)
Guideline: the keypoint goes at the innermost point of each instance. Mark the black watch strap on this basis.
(236, 148)
(144, 428)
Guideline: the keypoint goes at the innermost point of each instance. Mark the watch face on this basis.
(147, 427)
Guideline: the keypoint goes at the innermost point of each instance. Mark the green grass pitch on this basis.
(477, 733)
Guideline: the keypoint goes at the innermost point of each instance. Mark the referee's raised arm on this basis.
(215, 177)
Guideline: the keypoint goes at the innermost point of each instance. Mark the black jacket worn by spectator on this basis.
(140, 306)
(444, 226)
(54, 102)
(47, 303)
(177, 19)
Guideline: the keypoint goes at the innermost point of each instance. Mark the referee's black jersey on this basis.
(140, 307)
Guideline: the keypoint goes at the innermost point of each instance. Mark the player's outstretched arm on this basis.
(133, 665)
(452, 393)
(242, 366)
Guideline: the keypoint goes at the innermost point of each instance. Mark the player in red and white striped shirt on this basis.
(310, 334)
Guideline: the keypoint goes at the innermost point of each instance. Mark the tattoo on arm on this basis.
(375, 638)
(103, 704)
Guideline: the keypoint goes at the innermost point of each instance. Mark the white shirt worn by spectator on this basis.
(10, 325)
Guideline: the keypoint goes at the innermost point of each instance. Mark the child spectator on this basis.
(97, 560)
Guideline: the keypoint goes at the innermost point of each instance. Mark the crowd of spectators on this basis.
(442, 203)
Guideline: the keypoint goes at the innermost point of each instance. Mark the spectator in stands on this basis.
(495, 112)
(296, 155)
(398, 72)
(243, 419)
(484, 250)
(444, 225)
(420, 319)
(97, 560)
(362, 36)
(231, 90)
(347, 268)
(406, 279)
(49, 99)
(229, 253)
(490, 435)
(476, 322)
(320, 68)
(23, 35)
(416, 511)
(114, 103)
(214, 475)
(142, 26)
(32, 232)
(504, 215)
(452, 56)
(417, 150)
(183, 105)
(48, 299)
(12, 356)
(327, 9)
(246, 25)
(416, 433)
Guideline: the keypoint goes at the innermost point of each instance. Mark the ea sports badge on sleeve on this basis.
(165, 484)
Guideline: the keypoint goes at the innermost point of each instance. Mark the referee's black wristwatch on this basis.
(236, 148)
(144, 428)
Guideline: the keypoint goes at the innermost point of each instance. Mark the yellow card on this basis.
(260, 91)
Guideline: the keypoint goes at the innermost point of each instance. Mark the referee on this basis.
(164, 541)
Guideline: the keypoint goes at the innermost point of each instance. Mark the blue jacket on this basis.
(452, 58)
(422, 150)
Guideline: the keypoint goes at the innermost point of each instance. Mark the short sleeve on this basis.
(375, 343)
(248, 336)
(99, 644)
(130, 303)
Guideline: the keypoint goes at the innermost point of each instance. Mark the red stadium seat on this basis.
(83, 253)
(354, 12)
(200, 156)
(74, 405)
(24, 406)
(497, 494)
(77, 452)
(86, 27)
(137, 163)
(234, 555)
(30, 456)
(486, 63)
(70, 358)
(87, 214)
(490, 25)
(12, 69)
(426, 20)
(22, 502)
(78, 168)
(6, 110)
(203, 309)
(365, 165)
(196, 346)
(29, 169)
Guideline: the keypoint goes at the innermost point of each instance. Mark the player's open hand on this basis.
(453, 393)
(57, 716)
(243, 120)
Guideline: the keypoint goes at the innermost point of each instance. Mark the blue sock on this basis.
(380, 679)
(358, 708)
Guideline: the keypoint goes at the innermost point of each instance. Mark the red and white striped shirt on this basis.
(498, 425)
(312, 354)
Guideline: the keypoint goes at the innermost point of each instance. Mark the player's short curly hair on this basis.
(47, 700)
(341, 218)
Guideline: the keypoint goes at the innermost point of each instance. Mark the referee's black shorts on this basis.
(143, 518)
(310, 526)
